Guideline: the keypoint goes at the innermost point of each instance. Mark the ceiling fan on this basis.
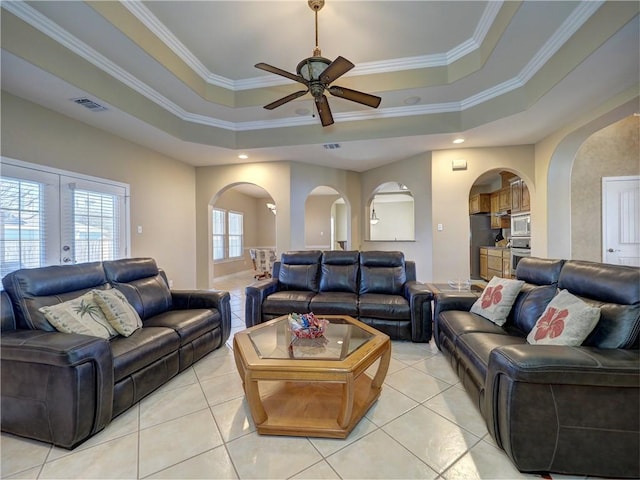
(316, 73)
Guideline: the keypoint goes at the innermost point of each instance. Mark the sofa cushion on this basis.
(80, 315)
(453, 323)
(142, 283)
(567, 320)
(382, 272)
(188, 324)
(141, 349)
(32, 288)
(287, 301)
(391, 307)
(119, 312)
(300, 270)
(613, 288)
(335, 303)
(497, 299)
(529, 306)
(539, 271)
(339, 271)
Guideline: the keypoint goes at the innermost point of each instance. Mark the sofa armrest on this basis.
(56, 387)
(444, 301)
(419, 297)
(212, 299)
(254, 296)
(558, 394)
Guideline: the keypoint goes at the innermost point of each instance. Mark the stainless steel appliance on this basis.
(520, 248)
(521, 225)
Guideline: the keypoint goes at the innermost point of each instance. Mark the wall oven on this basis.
(521, 225)
(520, 248)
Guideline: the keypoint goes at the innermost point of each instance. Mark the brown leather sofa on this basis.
(569, 410)
(62, 388)
(378, 288)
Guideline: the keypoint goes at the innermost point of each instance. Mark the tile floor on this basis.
(198, 426)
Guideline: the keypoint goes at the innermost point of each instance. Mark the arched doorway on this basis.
(326, 220)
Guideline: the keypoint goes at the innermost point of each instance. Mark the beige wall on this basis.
(450, 196)
(415, 173)
(612, 151)
(162, 188)
(317, 221)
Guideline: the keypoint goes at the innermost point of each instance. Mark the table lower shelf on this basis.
(312, 408)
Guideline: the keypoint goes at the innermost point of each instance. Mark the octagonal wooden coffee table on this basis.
(311, 387)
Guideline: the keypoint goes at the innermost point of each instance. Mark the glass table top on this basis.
(341, 338)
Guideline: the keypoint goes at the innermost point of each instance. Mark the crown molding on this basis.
(578, 17)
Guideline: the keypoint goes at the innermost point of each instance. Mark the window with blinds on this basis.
(227, 234)
(22, 236)
(50, 217)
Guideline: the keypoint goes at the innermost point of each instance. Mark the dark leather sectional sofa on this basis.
(62, 388)
(571, 410)
(378, 288)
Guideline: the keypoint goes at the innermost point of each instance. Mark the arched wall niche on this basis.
(391, 213)
(327, 219)
(259, 226)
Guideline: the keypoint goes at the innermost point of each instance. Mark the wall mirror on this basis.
(391, 213)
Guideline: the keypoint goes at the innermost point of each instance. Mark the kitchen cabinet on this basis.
(480, 203)
(504, 203)
(495, 262)
(498, 221)
(520, 200)
(483, 263)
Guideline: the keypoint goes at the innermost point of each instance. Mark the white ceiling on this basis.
(179, 76)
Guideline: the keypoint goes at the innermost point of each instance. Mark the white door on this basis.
(621, 220)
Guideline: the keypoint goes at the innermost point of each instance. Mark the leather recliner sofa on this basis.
(378, 288)
(552, 408)
(62, 388)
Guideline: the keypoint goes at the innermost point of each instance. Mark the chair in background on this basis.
(262, 260)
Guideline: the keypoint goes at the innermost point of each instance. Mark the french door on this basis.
(50, 217)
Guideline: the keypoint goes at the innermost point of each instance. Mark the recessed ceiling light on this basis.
(243, 156)
(459, 140)
(411, 100)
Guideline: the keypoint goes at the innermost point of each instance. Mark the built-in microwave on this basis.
(521, 225)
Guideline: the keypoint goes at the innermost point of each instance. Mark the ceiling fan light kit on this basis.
(316, 73)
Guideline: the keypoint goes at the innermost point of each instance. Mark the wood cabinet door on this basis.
(496, 221)
(516, 196)
(525, 200)
(505, 199)
(483, 264)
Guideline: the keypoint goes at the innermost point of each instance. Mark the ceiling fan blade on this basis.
(322, 104)
(336, 69)
(279, 71)
(286, 99)
(355, 96)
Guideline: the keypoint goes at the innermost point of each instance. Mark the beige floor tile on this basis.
(439, 367)
(233, 418)
(327, 446)
(320, 471)
(432, 438)
(124, 424)
(456, 405)
(409, 352)
(172, 442)
(416, 384)
(256, 456)
(213, 464)
(31, 474)
(222, 388)
(219, 362)
(19, 454)
(484, 461)
(389, 406)
(169, 404)
(115, 459)
(378, 456)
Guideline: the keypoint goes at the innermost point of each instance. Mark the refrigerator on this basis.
(481, 235)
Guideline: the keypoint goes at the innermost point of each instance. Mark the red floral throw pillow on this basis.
(567, 320)
(497, 299)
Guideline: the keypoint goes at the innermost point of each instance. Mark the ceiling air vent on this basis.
(90, 104)
(331, 146)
